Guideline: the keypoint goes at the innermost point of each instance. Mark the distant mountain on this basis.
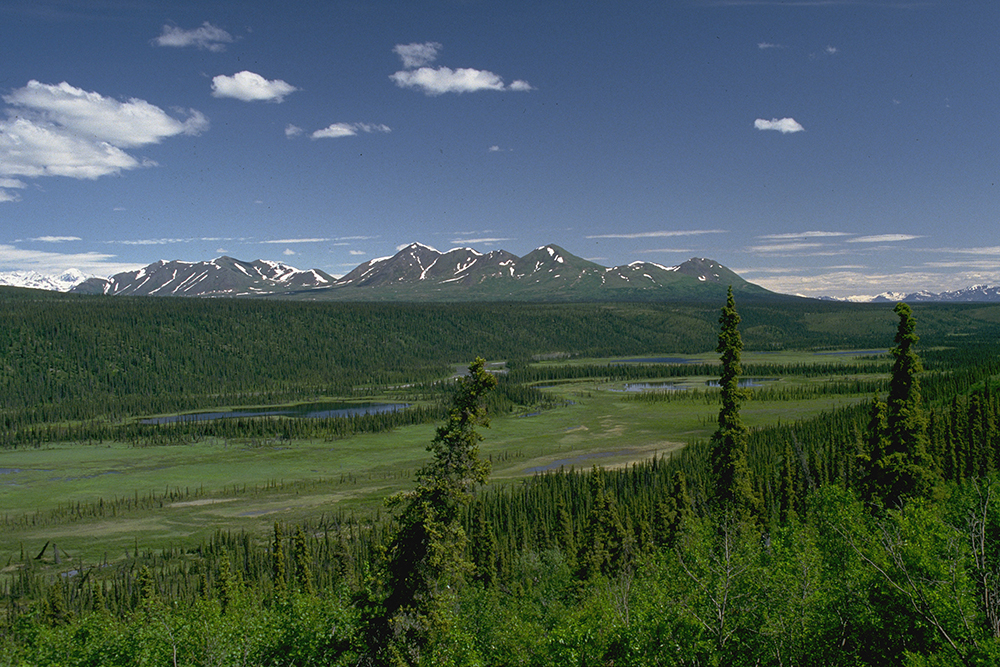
(973, 294)
(64, 282)
(223, 276)
(421, 273)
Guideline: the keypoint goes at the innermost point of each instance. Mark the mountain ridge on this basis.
(418, 272)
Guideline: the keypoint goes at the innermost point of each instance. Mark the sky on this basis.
(815, 147)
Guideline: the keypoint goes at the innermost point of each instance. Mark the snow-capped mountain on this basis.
(973, 294)
(421, 273)
(64, 282)
(223, 276)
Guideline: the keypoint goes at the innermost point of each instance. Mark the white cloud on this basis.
(660, 234)
(804, 235)
(783, 125)
(55, 239)
(784, 247)
(288, 252)
(348, 130)
(292, 130)
(206, 37)
(60, 130)
(768, 45)
(250, 87)
(417, 55)
(884, 238)
(287, 241)
(92, 263)
(95, 117)
(7, 184)
(440, 80)
(357, 252)
(446, 80)
(480, 240)
(832, 50)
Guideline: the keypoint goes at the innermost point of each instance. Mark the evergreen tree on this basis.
(302, 563)
(899, 465)
(278, 560)
(427, 561)
(733, 488)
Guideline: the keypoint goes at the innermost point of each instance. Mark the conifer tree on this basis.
(278, 560)
(302, 562)
(733, 489)
(899, 465)
(426, 560)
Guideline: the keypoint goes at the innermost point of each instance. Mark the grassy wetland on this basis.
(96, 502)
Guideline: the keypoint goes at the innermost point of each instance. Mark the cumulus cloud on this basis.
(292, 130)
(337, 130)
(92, 116)
(61, 130)
(783, 125)
(250, 87)
(417, 55)
(206, 37)
(440, 80)
(832, 50)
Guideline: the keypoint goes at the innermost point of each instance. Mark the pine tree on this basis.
(733, 488)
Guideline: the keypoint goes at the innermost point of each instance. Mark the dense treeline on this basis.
(69, 358)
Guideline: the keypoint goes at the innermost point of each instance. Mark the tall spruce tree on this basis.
(427, 559)
(733, 489)
(900, 466)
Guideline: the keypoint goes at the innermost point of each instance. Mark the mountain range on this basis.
(421, 273)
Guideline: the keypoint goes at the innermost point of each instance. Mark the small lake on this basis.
(746, 382)
(652, 386)
(304, 411)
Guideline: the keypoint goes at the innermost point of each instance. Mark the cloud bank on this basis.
(783, 125)
(251, 87)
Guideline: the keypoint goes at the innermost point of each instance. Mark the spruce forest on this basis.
(780, 482)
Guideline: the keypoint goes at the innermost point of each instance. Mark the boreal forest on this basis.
(740, 483)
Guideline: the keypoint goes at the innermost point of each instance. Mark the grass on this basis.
(99, 502)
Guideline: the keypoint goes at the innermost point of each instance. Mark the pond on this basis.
(303, 411)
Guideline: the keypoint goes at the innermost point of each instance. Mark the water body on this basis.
(304, 411)
(746, 382)
(652, 386)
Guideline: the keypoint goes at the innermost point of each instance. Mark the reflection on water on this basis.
(305, 411)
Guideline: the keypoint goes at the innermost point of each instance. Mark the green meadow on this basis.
(98, 502)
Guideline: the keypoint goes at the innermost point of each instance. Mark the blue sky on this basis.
(818, 147)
